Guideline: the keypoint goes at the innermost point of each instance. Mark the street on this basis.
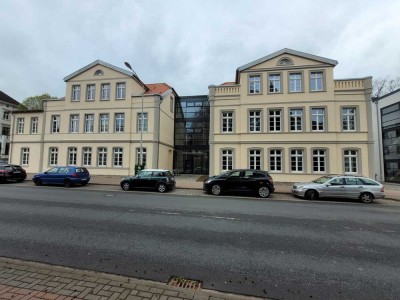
(266, 248)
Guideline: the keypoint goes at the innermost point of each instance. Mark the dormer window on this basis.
(98, 73)
(285, 61)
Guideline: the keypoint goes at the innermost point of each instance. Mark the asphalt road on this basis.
(268, 248)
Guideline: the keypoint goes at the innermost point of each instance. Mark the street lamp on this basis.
(136, 77)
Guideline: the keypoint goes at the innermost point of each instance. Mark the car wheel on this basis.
(38, 181)
(263, 192)
(161, 187)
(311, 195)
(126, 186)
(216, 190)
(67, 183)
(20, 180)
(84, 183)
(366, 197)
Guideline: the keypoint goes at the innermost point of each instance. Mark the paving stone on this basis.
(171, 293)
(104, 293)
(124, 294)
(92, 297)
(97, 288)
(130, 297)
(90, 284)
(116, 289)
(156, 291)
(85, 293)
(143, 288)
(103, 281)
(145, 294)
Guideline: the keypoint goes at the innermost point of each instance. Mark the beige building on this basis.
(107, 115)
(286, 113)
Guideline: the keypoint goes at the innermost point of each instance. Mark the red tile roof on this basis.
(229, 83)
(157, 88)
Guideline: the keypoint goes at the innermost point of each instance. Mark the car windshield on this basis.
(322, 179)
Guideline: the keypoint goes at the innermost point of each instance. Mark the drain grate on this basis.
(181, 282)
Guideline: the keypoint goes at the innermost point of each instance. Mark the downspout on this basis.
(42, 137)
(379, 142)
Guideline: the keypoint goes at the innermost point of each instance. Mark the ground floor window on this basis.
(102, 157)
(144, 156)
(255, 159)
(227, 160)
(296, 160)
(25, 156)
(72, 154)
(117, 157)
(53, 159)
(319, 160)
(87, 156)
(275, 160)
(351, 161)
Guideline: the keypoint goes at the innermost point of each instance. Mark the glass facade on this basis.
(192, 125)
(390, 117)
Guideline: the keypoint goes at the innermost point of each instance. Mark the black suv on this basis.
(257, 181)
(12, 172)
(157, 179)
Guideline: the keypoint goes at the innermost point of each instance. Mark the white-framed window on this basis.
(20, 125)
(254, 120)
(255, 159)
(144, 151)
(55, 124)
(76, 92)
(296, 160)
(104, 123)
(274, 83)
(121, 90)
(254, 84)
(53, 156)
(275, 120)
(139, 122)
(350, 161)
(6, 115)
(89, 123)
(349, 119)
(34, 124)
(295, 82)
(72, 155)
(25, 156)
(319, 160)
(171, 104)
(317, 81)
(226, 160)
(296, 119)
(275, 160)
(105, 91)
(117, 157)
(102, 157)
(317, 119)
(91, 91)
(227, 121)
(87, 156)
(119, 122)
(74, 123)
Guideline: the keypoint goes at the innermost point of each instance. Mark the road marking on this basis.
(217, 217)
(169, 213)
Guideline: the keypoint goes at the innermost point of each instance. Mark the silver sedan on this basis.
(352, 187)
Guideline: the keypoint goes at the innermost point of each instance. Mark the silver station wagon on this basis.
(336, 186)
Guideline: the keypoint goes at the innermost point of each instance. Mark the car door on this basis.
(142, 180)
(234, 181)
(354, 187)
(50, 176)
(335, 188)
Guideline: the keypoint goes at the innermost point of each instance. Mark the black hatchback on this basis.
(158, 179)
(12, 172)
(247, 180)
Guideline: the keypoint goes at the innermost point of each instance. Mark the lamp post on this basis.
(136, 77)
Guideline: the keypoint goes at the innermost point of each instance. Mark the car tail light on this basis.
(4, 171)
(74, 175)
(270, 179)
(382, 189)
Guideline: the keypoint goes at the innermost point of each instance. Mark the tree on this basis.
(35, 102)
(384, 85)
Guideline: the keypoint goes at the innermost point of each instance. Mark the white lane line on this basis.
(217, 217)
(169, 213)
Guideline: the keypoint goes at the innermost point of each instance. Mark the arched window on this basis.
(285, 61)
(99, 73)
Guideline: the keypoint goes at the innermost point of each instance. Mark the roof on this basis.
(229, 83)
(384, 96)
(7, 99)
(157, 88)
(287, 51)
(26, 111)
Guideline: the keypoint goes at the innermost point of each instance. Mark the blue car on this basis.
(67, 176)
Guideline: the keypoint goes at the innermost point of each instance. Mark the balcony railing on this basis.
(349, 84)
(227, 90)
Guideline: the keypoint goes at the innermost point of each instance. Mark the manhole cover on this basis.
(181, 282)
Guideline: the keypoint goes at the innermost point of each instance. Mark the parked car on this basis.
(11, 172)
(67, 176)
(340, 186)
(257, 181)
(158, 179)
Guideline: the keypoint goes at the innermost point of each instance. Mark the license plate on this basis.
(17, 172)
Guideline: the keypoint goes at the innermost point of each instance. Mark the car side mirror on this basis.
(46, 173)
(328, 184)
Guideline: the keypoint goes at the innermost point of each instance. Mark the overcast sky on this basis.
(188, 44)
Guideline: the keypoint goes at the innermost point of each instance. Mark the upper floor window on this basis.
(316, 81)
(317, 119)
(34, 125)
(255, 84)
(275, 120)
(295, 82)
(6, 115)
(255, 159)
(227, 121)
(142, 123)
(5, 131)
(255, 121)
(349, 119)
(227, 160)
(274, 83)
(119, 122)
(25, 156)
(285, 61)
(104, 121)
(89, 123)
(74, 124)
(76, 92)
(171, 104)
(99, 73)
(91, 89)
(121, 90)
(105, 91)
(296, 119)
(20, 125)
(55, 124)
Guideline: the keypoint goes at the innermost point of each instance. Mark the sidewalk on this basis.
(22, 280)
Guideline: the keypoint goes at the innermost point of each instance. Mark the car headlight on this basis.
(207, 181)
